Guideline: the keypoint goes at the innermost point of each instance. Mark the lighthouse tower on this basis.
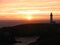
(51, 18)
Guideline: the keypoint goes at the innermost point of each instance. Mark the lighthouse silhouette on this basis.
(51, 17)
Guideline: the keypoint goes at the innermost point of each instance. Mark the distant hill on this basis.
(8, 34)
(31, 29)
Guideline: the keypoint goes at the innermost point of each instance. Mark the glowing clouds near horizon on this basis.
(29, 12)
(24, 6)
(14, 9)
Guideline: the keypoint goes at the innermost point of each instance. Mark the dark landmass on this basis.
(35, 28)
(49, 34)
(19, 22)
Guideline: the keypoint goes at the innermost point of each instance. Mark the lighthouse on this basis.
(51, 17)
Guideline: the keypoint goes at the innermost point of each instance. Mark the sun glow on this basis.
(28, 14)
(29, 17)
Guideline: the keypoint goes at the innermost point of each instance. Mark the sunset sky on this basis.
(28, 9)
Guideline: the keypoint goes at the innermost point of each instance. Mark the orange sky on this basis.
(19, 9)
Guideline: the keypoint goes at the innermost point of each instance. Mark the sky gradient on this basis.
(22, 9)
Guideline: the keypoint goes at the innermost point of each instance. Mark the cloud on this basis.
(14, 6)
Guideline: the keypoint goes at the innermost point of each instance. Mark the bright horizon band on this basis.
(14, 9)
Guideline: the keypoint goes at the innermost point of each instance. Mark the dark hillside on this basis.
(44, 31)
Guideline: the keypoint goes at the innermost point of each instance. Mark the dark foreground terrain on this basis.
(49, 34)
